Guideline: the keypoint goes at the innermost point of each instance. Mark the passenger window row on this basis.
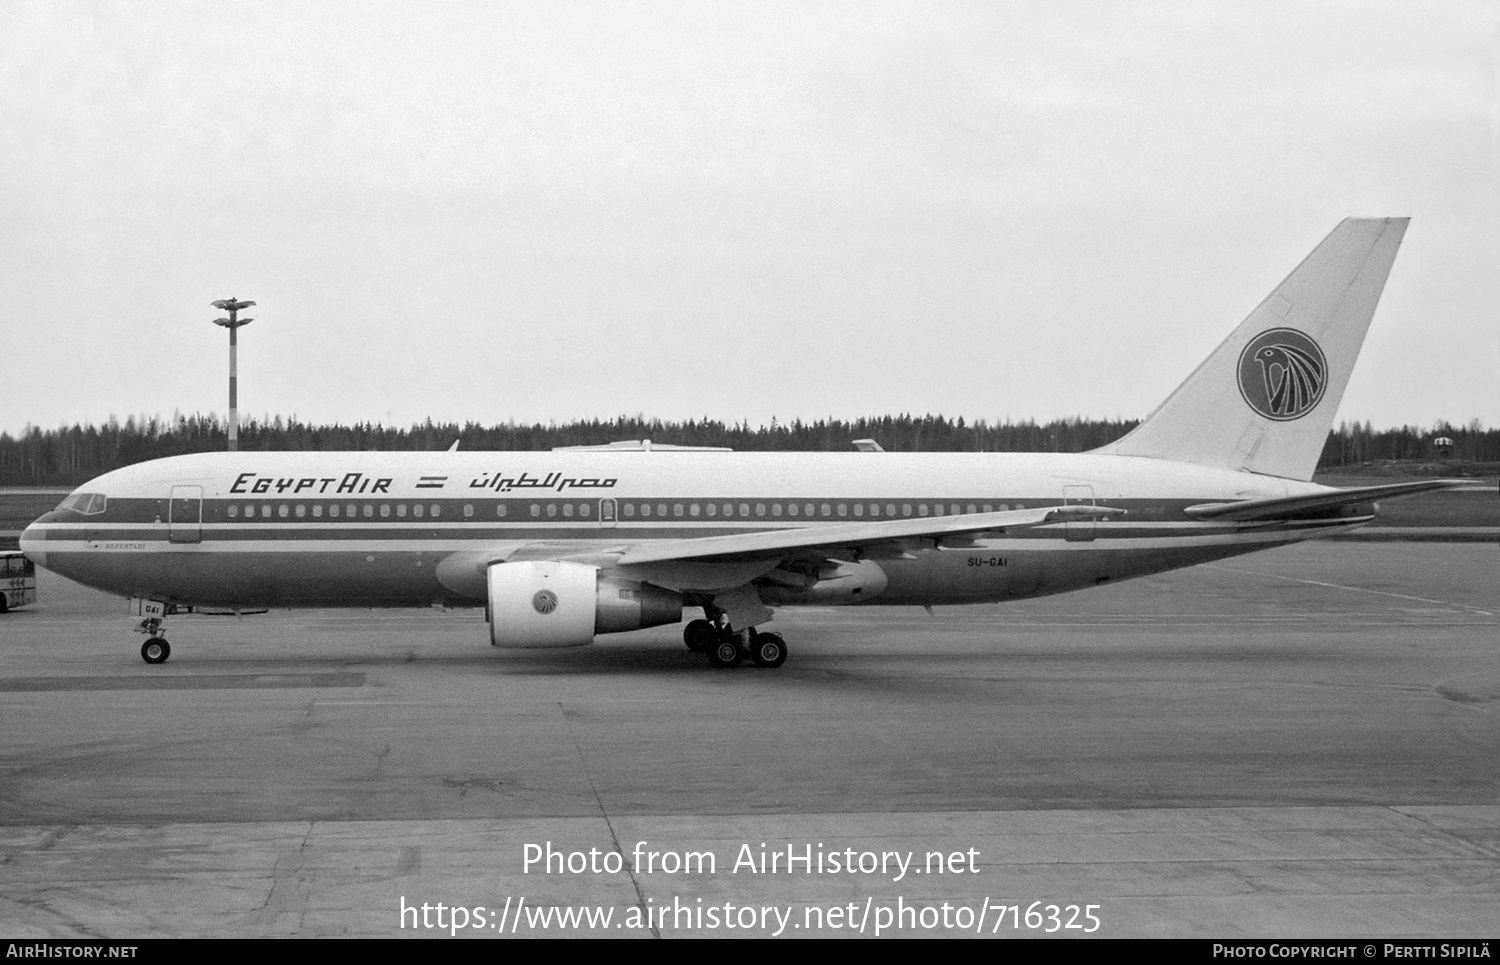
(804, 510)
(336, 510)
(629, 509)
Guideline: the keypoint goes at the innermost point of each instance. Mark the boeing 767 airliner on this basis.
(560, 546)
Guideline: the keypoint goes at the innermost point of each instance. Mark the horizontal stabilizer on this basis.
(1288, 507)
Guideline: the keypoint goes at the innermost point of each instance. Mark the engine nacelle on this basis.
(552, 603)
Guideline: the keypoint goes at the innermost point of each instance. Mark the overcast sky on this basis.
(558, 210)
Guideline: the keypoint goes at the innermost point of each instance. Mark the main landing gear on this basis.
(729, 648)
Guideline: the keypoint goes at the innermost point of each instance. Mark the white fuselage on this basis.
(253, 529)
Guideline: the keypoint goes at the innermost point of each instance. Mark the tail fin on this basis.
(1264, 401)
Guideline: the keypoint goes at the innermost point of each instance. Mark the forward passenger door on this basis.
(185, 514)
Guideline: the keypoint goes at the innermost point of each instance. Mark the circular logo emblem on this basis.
(1282, 374)
(544, 602)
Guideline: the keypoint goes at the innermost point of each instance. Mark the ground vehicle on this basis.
(17, 580)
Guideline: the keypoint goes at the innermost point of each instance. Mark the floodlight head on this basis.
(222, 321)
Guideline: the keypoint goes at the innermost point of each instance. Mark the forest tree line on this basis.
(70, 455)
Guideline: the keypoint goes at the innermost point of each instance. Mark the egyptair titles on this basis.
(553, 481)
(356, 482)
(349, 482)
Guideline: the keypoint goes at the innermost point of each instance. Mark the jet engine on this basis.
(557, 603)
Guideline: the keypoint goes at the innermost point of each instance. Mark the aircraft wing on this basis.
(772, 544)
(722, 562)
(1316, 504)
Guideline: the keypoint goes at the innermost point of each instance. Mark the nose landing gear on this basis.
(154, 612)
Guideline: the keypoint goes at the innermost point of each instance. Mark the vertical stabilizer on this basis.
(1265, 399)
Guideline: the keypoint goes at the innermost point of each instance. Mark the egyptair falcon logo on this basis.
(1282, 374)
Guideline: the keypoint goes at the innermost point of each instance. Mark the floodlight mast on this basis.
(232, 305)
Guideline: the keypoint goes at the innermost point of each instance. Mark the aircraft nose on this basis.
(33, 544)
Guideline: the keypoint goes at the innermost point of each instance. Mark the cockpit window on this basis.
(87, 504)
